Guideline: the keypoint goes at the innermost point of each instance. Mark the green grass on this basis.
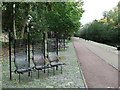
(71, 77)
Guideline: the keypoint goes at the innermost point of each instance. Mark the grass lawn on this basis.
(71, 77)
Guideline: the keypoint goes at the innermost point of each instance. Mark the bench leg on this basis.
(19, 77)
(31, 74)
(44, 70)
(61, 69)
(56, 67)
(53, 71)
(38, 73)
(48, 70)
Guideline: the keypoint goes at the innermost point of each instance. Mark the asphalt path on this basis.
(94, 61)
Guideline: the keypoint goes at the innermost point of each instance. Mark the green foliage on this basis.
(7, 14)
(61, 17)
(64, 17)
(105, 30)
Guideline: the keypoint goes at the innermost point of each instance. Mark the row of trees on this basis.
(61, 17)
(106, 30)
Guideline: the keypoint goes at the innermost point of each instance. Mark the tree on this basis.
(61, 17)
(105, 30)
(64, 17)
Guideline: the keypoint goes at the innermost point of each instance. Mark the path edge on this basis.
(81, 72)
(117, 68)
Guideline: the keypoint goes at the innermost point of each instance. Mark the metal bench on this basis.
(21, 61)
(38, 55)
(53, 55)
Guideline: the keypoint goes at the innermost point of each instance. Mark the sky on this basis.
(94, 9)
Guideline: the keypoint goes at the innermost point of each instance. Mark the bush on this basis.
(100, 32)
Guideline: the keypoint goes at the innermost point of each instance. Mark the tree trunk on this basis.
(23, 28)
(14, 29)
(25, 20)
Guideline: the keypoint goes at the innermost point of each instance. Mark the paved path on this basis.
(97, 72)
(110, 56)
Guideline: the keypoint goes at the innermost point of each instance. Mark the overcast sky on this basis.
(95, 8)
